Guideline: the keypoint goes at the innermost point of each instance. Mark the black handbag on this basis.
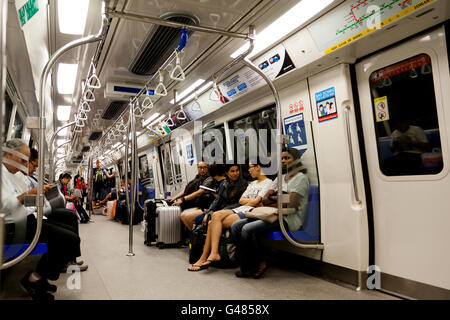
(197, 242)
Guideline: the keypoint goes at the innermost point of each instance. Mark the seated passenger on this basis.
(223, 219)
(122, 209)
(245, 233)
(61, 214)
(73, 198)
(63, 245)
(191, 189)
(217, 172)
(407, 143)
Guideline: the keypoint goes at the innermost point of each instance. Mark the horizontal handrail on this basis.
(167, 23)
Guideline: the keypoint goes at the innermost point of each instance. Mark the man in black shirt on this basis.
(187, 197)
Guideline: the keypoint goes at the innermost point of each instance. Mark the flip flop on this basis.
(202, 267)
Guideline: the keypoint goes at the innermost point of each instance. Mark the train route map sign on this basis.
(355, 19)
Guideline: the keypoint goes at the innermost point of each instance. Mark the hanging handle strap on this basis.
(173, 75)
(161, 90)
(181, 115)
(88, 95)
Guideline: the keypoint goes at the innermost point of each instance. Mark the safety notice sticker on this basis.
(326, 105)
(381, 109)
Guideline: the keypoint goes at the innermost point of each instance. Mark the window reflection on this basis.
(405, 114)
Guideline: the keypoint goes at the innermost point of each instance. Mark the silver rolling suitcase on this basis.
(164, 226)
(168, 226)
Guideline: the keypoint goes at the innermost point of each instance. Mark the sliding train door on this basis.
(405, 101)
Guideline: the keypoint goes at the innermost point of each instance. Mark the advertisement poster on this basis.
(294, 127)
(326, 105)
(274, 63)
(381, 109)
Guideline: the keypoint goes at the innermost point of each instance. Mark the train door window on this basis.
(214, 145)
(7, 117)
(178, 178)
(254, 122)
(405, 116)
(171, 165)
(17, 128)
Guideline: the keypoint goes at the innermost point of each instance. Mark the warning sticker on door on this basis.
(381, 109)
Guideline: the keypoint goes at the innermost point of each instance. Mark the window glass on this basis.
(247, 136)
(214, 145)
(171, 169)
(17, 129)
(176, 164)
(405, 116)
(7, 117)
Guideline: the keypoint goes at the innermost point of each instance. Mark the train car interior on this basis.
(342, 104)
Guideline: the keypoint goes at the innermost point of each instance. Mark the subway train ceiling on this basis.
(134, 50)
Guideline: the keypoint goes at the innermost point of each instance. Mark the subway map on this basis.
(356, 18)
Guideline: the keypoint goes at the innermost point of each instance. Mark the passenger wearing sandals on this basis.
(245, 233)
(223, 219)
(210, 187)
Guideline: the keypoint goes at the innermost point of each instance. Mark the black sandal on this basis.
(202, 267)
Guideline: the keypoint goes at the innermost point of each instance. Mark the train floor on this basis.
(161, 274)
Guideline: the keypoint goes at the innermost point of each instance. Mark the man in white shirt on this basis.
(62, 244)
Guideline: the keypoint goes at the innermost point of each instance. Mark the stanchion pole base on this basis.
(130, 254)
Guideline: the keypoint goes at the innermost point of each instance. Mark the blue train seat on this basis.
(433, 136)
(310, 230)
(14, 250)
(151, 193)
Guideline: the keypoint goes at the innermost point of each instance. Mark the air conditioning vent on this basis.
(113, 109)
(85, 149)
(158, 46)
(95, 135)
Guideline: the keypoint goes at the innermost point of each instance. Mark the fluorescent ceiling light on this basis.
(116, 145)
(157, 120)
(72, 16)
(152, 117)
(63, 113)
(188, 90)
(289, 21)
(63, 132)
(66, 77)
(200, 91)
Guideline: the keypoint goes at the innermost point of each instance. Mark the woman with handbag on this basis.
(223, 219)
(246, 232)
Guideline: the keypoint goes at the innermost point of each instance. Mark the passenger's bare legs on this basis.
(188, 217)
(206, 249)
(223, 221)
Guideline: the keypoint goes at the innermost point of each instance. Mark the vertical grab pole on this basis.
(41, 128)
(90, 177)
(133, 176)
(131, 135)
(274, 91)
(3, 18)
